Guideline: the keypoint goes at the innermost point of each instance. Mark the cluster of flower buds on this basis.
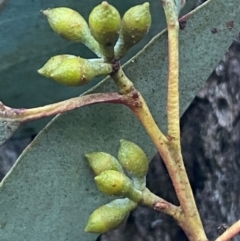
(111, 180)
(107, 35)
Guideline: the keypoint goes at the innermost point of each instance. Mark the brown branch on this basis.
(230, 232)
(23, 115)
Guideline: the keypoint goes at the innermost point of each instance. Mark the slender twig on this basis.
(125, 86)
(173, 73)
(191, 223)
(159, 204)
(230, 232)
(22, 115)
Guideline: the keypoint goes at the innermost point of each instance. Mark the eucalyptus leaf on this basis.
(7, 128)
(49, 193)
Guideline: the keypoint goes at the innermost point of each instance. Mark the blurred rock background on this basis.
(210, 130)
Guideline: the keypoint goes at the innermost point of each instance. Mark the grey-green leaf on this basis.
(7, 128)
(50, 192)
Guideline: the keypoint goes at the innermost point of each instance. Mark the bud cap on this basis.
(105, 23)
(68, 23)
(101, 161)
(135, 24)
(114, 183)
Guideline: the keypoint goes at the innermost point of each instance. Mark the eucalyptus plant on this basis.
(109, 36)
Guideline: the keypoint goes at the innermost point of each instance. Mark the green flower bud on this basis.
(73, 71)
(135, 24)
(70, 25)
(133, 159)
(105, 23)
(52, 64)
(101, 161)
(115, 183)
(109, 216)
